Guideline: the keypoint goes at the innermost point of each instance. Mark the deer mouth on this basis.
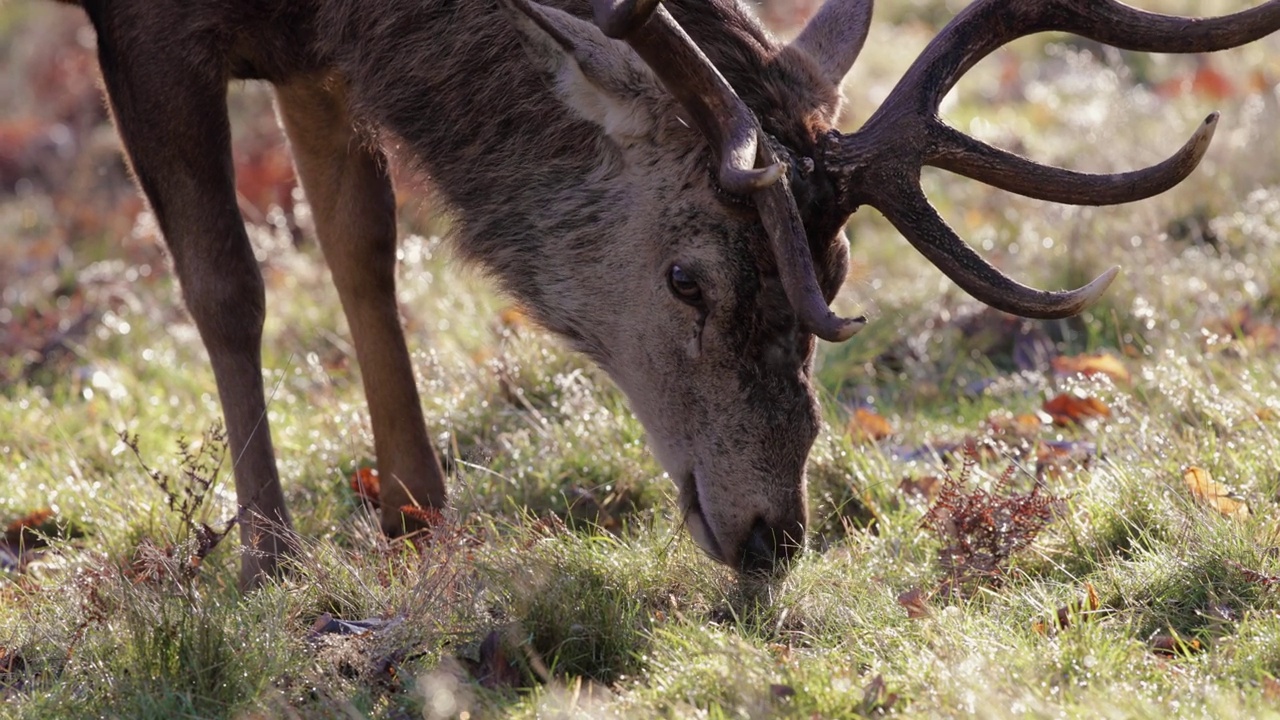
(699, 529)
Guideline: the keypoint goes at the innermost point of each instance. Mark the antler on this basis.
(879, 165)
(747, 165)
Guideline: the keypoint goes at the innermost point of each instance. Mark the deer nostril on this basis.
(770, 549)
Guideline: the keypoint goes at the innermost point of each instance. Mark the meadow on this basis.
(1010, 518)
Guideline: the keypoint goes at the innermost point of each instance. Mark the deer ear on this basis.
(603, 80)
(834, 36)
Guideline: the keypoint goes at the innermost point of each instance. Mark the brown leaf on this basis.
(513, 317)
(1210, 83)
(1271, 689)
(364, 483)
(1083, 609)
(876, 698)
(1055, 458)
(868, 426)
(26, 530)
(1071, 409)
(926, 487)
(427, 517)
(1003, 423)
(916, 603)
(1087, 365)
(264, 177)
(1204, 81)
(1213, 494)
(1173, 645)
(1244, 330)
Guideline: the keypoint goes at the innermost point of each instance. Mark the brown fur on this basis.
(577, 189)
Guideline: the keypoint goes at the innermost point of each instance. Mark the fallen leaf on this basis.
(428, 517)
(926, 487)
(916, 603)
(1055, 458)
(513, 317)
(868, 426)
(1213, 494)
(1023, 426)
(1204, 81)
(1088, 365)
(876, 698)
(1174, 646)
(1072, 409)
(1244, 330)
(26, 530)
(1082, 609)
(364, 483)
(1210, 83)
(1271, 689)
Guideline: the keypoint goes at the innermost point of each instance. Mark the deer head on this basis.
(712, 321)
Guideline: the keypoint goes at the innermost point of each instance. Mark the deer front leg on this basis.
(176, 134)
(349, 189)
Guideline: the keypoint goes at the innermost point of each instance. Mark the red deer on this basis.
(662, 187)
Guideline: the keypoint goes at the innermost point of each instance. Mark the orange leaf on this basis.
(1068, 409)
(1214, 494)
(426, 516)
(916, 603)
(1212, 84)
(868, 426)
(1026, 425)
(512, 317)
(1082, 609)
(1174, 646)
(926, 487)
(1101, 364)
(30, 521)
(364, 482)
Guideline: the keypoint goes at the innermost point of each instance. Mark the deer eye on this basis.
(683, 286)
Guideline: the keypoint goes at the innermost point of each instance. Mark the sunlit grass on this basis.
(566, 543)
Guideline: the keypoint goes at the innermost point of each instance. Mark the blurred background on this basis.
(1199, 252)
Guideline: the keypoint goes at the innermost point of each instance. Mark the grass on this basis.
(565, 586)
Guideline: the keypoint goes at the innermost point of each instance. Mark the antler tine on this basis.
(972, 158)
(686, 72)
(733, 130)
(777, 206)
(1129, 28)
(905, 205)
(988, 24)
(879, 165)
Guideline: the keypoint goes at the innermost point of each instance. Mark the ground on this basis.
(1074, 518)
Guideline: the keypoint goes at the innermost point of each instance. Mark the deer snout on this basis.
(769, 548)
